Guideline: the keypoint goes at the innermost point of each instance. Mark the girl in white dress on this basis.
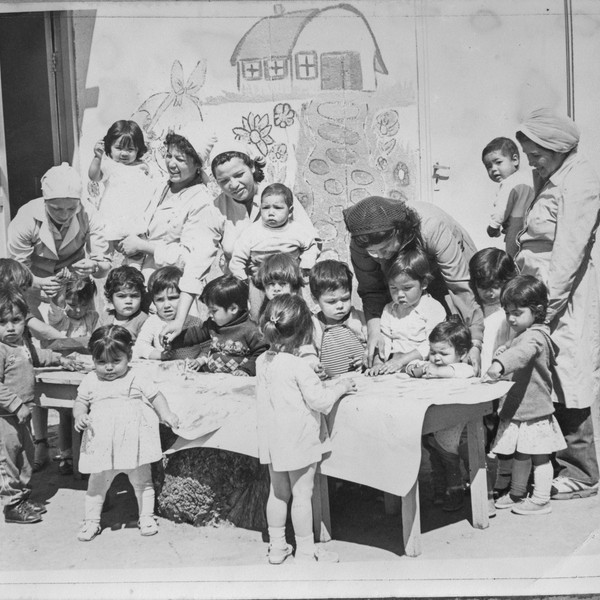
(292, 434)
(115, 410)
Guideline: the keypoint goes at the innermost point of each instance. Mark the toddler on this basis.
(528, 428)
(114, 410)
(449, 345)
(235, 341)
(292, 435)
(515, 193)
(18, 357)
(408, 319)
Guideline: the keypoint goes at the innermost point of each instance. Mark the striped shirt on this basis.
(340, 347)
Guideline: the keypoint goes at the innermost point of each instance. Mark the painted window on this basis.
(251, 70)
(276, 67)
(306, 65)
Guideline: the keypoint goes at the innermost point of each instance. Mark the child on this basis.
(528, 427)
(120, 428)
(449, 345)
(17, 360)
(340, 331)
(408, 319)
(515, 193)
(235, 339)
(125, 291)
(163, 288)
(292, 435)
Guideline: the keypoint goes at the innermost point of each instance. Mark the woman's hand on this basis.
(49, 285)
(69, 364)
(375, 342)
(416, 370)
(131, 245)
(84, 267)
(475, 360)
(82, 422)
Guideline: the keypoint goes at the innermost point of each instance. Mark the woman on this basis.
(556, 246)
(381, 228)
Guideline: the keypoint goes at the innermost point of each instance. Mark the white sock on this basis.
(542, 483)
(277, 537)
(306, 544)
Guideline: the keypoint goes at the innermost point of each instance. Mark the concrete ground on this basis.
(556, 554)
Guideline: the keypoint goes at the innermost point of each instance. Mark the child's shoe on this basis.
(38, 507)
(277, 555)
(319, 555)
(22, 513)
(530, 507)
(148, 526)
(491, 509)
(507, 501)
(89, 530)
(454, 499)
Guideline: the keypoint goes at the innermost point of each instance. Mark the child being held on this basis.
(117, 412)
(515, 193)
(235, 341)
(409, 318)
(528, 428)
(292, 434)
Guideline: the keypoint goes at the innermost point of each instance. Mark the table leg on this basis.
(477, 473)
(320, 505)
(411, 522)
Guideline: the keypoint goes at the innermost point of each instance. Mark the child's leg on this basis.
(280, 493)
(98, 485)
(141, 481)
(40, 429)
(65, 456)
(521, 469)
(542, 478)
(446, 442)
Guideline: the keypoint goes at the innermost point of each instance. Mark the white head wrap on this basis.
(61, 182)
(551, 131)
(221, 147)
(200, 138)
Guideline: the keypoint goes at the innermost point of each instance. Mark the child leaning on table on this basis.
(449, 345)
(527, 427)
(117, 412)
(292, 435)
(18, 357)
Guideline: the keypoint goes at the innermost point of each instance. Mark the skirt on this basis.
(537, 436)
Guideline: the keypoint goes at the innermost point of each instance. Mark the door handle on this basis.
(440, 173)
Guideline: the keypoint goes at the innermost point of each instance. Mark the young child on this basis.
(235, 341)
(515, 193)
(340, 330)
(114, 410)
(292, 436)
(409, 318)
(528, 427)
(125, 291)
(163, 288)
(17, 360)
(449, 345)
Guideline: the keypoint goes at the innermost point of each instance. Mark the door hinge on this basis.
(54, 62)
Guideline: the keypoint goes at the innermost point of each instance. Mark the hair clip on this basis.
(274, 320)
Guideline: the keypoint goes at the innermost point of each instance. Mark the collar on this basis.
(241, 318)
(343, 322)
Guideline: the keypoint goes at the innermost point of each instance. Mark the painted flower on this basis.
(387, 123)
(283, 115)
(255, 130)
(278, 152)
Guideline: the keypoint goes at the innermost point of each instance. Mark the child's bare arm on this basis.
(81, 415)
(164, 412)
(95, 170)
(398, 361)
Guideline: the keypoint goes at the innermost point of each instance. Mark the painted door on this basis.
(341, 71)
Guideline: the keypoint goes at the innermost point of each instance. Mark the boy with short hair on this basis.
(502, 161)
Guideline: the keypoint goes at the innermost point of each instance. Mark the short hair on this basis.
(526, 291)
(279, 268)
(454, 332)
(329, 276)
(165, 278)
(12, 271)
(414, 263)
(81, 288)
(11, 300)
(124, 277)
(256, 166)
(504, 145)
(110, 343)
(286, 323)
(225, 291)
(132, 134)
(182, 144)
(488, 267)
(278, 189)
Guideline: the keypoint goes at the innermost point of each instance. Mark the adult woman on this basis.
(556, 246)
(381, 228)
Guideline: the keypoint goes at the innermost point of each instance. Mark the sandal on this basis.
(40, 457)
(65, 466)
(148, 526)
(88, 531)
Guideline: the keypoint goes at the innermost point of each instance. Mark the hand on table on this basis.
(493, 373)
(69, 364)
(171, 419)
(475, 360)
(169, 332)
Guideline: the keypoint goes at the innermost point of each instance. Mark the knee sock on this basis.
(520, 477)
(145, 499)
(306, 544)
(542, 483)
(277, 537)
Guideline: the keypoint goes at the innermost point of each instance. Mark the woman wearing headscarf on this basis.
(556, 246)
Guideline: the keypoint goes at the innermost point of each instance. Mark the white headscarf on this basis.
(61, 182)
(551, 131)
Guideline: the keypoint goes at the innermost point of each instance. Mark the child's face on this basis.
(221, 315)
(444, 353)
(12, 327)
(490, 296)
(76, 309)
(126, 302)
(276, 288)
(519, 318)
(166, 303)
(406, 291)
(110, 369)
(274, 211)
(122, 151)
(335, 304)
(499, 166)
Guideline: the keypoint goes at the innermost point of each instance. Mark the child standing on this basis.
(528, 427)
(409, 318)
(515, 192)
(291, 430)
(120, 428)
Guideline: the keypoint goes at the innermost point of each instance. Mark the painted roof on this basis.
(277, 35)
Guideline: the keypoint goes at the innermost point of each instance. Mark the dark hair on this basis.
(132, 134)
(503, 145)
(183, 145)
(126, 277)
(11, 299)
(329, 276)
(165, 278)
(279, 268)
(278, 189)
(286, 323)
(526, 291)
(225, 291)
(256, 166)
(110, 343)
(454, 332)
(488, 267)
(82, 289)
(14, 272)
(414, 263)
